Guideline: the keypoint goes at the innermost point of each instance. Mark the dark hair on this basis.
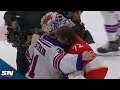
(67, 32)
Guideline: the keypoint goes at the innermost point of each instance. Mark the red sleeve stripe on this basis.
(56, 61)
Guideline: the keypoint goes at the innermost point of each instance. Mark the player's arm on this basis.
(64, 62)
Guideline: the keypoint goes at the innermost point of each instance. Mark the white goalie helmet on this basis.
(51, 21)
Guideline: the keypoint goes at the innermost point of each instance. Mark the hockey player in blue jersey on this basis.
(47, 47)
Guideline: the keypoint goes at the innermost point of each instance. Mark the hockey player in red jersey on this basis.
(75, 45)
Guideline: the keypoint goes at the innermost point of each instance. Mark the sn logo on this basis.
(7, 73)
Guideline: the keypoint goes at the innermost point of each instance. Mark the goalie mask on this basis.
(53, 20)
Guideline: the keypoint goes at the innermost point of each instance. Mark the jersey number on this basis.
(75, 47)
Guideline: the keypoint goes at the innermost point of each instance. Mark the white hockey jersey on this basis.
(49, 61)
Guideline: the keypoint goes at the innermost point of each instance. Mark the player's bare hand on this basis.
(88, 55)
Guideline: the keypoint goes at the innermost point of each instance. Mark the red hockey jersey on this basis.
(94, 69)
(79, 48)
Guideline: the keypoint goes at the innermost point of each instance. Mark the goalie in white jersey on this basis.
(43, 66)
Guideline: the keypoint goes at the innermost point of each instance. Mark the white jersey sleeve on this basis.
(63, 62)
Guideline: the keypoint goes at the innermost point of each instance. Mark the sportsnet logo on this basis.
(8, 74)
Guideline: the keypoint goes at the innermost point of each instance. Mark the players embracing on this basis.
(55, 54)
